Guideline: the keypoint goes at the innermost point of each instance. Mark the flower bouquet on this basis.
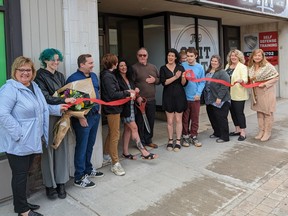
(77, 89)
(70, 93)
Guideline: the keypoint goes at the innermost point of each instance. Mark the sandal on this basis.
(177, 146)
(234, 133)
(170, 145)
(151, 156)
(129, 156)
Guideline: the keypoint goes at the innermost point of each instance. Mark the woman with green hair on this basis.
(54, 163)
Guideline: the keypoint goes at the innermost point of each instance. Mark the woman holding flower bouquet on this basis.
(54, 163)
(124, 75)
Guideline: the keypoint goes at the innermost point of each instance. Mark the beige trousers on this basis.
(113, 136)
(265, 123)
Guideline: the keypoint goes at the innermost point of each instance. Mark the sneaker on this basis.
(196, 142)
(95, 173)
(117, 169)
(106, 159)
(84, 182)
(186, 141)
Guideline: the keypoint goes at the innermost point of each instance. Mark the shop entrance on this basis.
(119, 35)
(231, 39)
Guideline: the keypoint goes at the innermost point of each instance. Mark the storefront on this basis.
(121, 27)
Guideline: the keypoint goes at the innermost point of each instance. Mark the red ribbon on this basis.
(98, 101)
(189, 75)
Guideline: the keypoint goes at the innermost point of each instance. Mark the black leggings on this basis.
(237, 113)
(20, 167)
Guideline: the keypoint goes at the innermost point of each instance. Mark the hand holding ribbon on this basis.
(189, 75)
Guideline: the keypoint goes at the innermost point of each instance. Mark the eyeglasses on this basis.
(142, 55)
(24, 70)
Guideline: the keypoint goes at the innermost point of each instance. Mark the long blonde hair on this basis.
(238, 54)
(262, 63)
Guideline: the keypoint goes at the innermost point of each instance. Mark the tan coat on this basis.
(265, 97)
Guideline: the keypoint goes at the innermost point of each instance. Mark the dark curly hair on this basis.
(130, 72)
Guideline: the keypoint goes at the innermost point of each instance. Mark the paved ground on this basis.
(233, 179)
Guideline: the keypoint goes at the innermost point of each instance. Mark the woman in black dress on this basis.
(174, 99)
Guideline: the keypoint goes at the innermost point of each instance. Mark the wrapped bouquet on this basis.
(77, 89)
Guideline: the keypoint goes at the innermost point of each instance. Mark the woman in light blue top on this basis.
(24, 122)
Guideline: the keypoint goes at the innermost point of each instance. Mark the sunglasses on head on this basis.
(142, 55)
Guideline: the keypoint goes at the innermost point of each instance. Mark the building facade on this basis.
(121, 27)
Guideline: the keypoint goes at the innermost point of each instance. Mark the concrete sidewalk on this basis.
(233, 178)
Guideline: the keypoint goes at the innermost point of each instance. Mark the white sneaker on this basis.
(95, 173)
(84, 182)
(117, 169)
(186, 141)
(106, 159)
(196, 142)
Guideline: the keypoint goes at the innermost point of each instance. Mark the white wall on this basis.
(283, 58)
(42, 27)
(70, 26)
(81, 36)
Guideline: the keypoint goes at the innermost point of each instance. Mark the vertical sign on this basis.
(267, 41)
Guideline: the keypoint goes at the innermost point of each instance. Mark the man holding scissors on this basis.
(146, 79)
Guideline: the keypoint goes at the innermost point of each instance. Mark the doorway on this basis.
(231, 39)
(119, 35)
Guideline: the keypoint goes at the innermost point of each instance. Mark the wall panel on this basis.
(42, 27)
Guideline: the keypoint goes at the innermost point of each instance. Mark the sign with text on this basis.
(271, 7)
(267, 41)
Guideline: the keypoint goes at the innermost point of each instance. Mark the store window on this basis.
(154, 39)
(182, 32)
(202, 34)
(208, 37)
(154, 42)
(119, 35)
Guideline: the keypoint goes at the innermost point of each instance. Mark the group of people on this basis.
(223, 90)
(29, 111)
(225, 99)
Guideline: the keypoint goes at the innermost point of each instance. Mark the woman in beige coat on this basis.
(264, 96)
(238, 74)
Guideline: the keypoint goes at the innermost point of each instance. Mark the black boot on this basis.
(51, 193)
(61, 191)
(33, 206)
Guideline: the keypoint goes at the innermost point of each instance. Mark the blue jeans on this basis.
(85, 140)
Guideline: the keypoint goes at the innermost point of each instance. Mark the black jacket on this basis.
(110, 91)
(126, 112)
(49, 83)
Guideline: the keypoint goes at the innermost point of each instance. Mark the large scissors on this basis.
(142, 109)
